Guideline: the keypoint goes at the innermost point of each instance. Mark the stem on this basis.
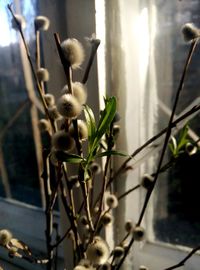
(122, 168)
(72, 221)
(49, 214)
(95, 45)
(125, 253)
(181, 263)
(168, 132)
(128, 191)
(38, 86)
(66, 66)
(63, 237)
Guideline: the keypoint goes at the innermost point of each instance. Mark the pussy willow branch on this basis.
(94, 47)
(122, 168)
(104, 185)
(72, 220)
(168, 132)
(67, 68)
(38, 86)
(181, 263)
(49, 214)
(128, 192)
(66, 233)
(167, 136)
(37, 56)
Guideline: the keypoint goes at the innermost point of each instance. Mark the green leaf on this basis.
(66, 157)
(112, 153)
(182, 141)
(91, 124)
(106, 118)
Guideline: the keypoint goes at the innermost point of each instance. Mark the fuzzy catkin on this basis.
(21, 20)
(61, 140)
(82, 130)
(73, 52)
(53, 112)
(68, 106)
(50, 99)
(128, 226)
(138, 233)
(147, 181)
(42, 74)
(98, 251)
(112, 201)
(190, 32)
(79, 91)
(41, 23)
(106, 219)
(44, 125)
(95, 168)
(5, 237)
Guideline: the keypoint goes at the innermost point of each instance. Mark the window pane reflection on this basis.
(18, 166)
(177, 218)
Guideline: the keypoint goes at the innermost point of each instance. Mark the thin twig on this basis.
(128, 191)
(72, 221)
(168, 132)
(38, 86)
(67, 69)
(122, 168)
(95, 44)
(181, 263)
(167, 136)
(49, 214)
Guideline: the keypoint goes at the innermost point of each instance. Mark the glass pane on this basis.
(19, 173)
(177, 216)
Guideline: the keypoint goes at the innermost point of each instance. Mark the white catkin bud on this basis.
(82, 130)
(106, 219)
(138, 233)
(74, 181)
(86, 230)
(190, 149)
(50, 99)
(73, 52)
(147, 181)
(112, 201)
(79, 91)
(80, 267)
(61, 140)
(190, 31)
(142, 267)
(5, 237)
(41, 23)
(116, 130)
(86, 263)
(44, 125)
(68, 106)
(83, 220)
(42, 74)
(53, 112)
(105, 266)
(129, 226)
(118, 251)
(20, 20)
(95, 168)
(70, 235)
(98, 251)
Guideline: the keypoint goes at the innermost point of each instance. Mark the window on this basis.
(22, 202)
(145, 54)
